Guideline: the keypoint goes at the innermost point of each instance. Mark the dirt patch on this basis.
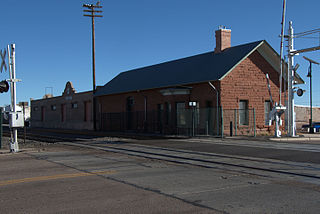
(27, 145)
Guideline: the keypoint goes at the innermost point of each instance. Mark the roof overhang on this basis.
(273, 58)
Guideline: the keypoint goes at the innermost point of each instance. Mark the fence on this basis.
(239, 122)
(185, 121)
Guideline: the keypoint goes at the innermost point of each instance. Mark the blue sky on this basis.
(53, 38)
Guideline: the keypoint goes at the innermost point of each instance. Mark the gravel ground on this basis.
(27, 145)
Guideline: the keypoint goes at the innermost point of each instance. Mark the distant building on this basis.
(303, 115)
(70, 111)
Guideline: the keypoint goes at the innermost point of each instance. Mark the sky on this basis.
(53, 38)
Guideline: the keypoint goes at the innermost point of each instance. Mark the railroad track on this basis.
(249, 165)
(255, 166)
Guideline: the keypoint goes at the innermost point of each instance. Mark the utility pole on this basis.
(281, 49)
(92, 13)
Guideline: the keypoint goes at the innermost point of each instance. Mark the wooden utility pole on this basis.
(92, 13)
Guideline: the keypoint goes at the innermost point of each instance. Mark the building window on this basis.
(74, 105)
(160, 111)
(63, 112)
(267, 109)
(168, 112)
(36, 108)
(181, 114)
(87, 111)
(53, 107)
(243, 113)
(43, 110)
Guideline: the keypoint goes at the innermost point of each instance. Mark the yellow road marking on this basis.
(53, 177)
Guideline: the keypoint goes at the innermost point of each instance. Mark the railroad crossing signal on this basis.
(3, 63)
(4, 86)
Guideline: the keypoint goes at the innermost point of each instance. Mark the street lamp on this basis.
(310, 76)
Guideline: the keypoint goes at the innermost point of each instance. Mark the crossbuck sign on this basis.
(3, 60)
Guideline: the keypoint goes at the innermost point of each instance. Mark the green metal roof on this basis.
(195, 69)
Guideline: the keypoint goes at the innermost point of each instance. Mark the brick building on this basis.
(176, 97)
(71, 110)
(222, 91)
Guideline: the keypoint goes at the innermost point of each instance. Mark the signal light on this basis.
(4, 86)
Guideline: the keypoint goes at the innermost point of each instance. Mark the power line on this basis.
(297, 35)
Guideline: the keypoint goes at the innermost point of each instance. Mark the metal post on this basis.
(222, 122)
(217, 114)
(310, 122)
(193, 120)
(254, 122)
(291, 120)
(24, 123)
(14, 147)
(235, 122)
(207, 128)
(217, 104)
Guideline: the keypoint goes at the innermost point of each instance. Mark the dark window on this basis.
(63, 112)
(168, 112)
(129, 112)
(267, 109)
(160, 110)
(74, 105)
(87, 111)
(53, 107)
(181, 114)
(43, 110)
(243, 112)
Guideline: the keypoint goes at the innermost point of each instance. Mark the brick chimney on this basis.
(223, 39)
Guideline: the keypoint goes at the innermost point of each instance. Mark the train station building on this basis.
(222, 91)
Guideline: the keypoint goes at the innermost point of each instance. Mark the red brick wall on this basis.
(248, 82)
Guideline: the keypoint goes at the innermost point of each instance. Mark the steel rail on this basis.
(200, 162)
(192, 161)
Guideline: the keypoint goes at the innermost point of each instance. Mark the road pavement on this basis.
(56, 178)
(70, 180)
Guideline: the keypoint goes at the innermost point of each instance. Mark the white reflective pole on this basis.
(10, 75)
(14, 147)
(291, 114)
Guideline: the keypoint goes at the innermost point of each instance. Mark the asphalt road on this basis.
(46, 182)
(51, 178)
